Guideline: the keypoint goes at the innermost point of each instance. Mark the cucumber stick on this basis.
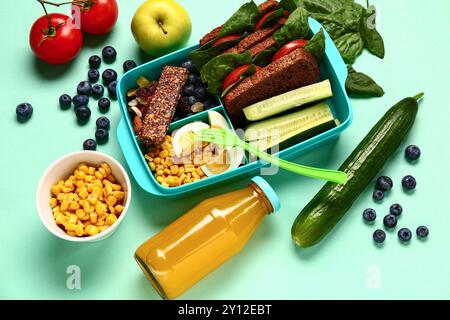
(288, 101)
(327, 208)
(296, 126)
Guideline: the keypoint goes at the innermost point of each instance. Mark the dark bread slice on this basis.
(264, 8)
(263, 45)
(257, 37)
(295, 70)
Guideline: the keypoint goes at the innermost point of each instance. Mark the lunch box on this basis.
(332, 68)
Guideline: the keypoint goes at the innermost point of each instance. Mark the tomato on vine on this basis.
(95, 16)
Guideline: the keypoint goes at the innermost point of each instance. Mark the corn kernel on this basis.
(118, 209)
(103, 228)
(74, 206)
(98, 175)
(152, 166)
(100, 208)
(165, 184)
(79, 231)
(53, 202)
(111, 201)
(195, 175)
(91, 230)
(106, 167)
(71, 233)
(83, 168)
(173, 181)
(88, 178)
(64, 205)
(100, 223)
(91, 171)
(174, 170)
(189, 168)
(60, 219)
(93, 218)
(157, 160)
(56, 190)
(108, 189)
(70, 226)
(111, 178)
(116, 187)
(112, 210)
(110, 220)
(160, 179)
(80, 214)
(182, 178)
(167, 172)
(160, 173)
(164, 154)
(200, 172)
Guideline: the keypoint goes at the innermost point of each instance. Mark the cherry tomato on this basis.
(236, 74)
(60, 44)
(226, 39)
(289, 47)
(266, 16)
(96, 16)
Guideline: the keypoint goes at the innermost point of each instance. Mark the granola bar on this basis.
(162, 107)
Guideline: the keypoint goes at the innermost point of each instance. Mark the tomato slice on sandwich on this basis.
(269, 15)
(289, 47)
(231, 37)
(238, 75)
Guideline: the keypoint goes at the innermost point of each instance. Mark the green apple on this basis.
(161, 26)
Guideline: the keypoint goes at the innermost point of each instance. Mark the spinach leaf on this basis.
(202, 55)
(360, 85)
(215, 71)
(243, 20)
(342, 21)
(350, 46)
(263, 58)
(371, 37)
(288, 5)
(296, 27)
(316, 46)
(273, 16)
(324, 6)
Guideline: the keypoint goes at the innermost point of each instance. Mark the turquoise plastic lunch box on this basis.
(332, 68)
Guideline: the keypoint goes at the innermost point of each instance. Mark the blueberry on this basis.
(192, 100)
(390, 221)
(90, 144)
(112, 89)
(103, 123)
(369, 215)
(378, 195)
(128, 65)
(83, 114)
(188, 64)
(65, 101)
(396, 209)
(93, 75)
(200, 94)
(95, 62)
(189, 90)
(404, 234)
(210, 103)
(104, 104)
(102, 136)
(194, 79)
(109, 54)
(409, 183)
(24, 112)
(98, 91)
(422, 232)
(80, 100)
(384, 183)
(108, 76)
(379, 236)
(84, 88)
(412, 153)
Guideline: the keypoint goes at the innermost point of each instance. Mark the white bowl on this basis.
(63, 168)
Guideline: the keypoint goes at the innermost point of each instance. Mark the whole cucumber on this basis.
(327, 208)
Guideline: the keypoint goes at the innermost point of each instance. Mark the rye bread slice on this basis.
(295, 70)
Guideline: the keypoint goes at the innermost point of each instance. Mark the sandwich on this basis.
(260, 52)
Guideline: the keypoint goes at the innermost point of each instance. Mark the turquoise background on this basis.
(33, 262)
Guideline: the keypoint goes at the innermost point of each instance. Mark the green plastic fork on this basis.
(228, 138)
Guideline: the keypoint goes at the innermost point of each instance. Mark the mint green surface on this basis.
(33, 262)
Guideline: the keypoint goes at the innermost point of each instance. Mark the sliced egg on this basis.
(217, 121)
(183, 138)
(225, 160)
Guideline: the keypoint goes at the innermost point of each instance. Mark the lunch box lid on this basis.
(269, 192)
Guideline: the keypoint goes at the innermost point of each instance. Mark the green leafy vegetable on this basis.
(360, 85)
(350, 46)
(316, 46)
(263, 58)
(273, 16)
(251, 70)
(296, 27)
(324, 6)
(243, 20)
(371, 37)
(288, 5)
(215, 71)
(202, 55)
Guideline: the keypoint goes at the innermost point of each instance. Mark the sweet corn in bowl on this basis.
(83, 197)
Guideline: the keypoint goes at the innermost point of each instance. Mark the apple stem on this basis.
(161, 25)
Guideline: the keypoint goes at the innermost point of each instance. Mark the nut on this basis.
(197, 107)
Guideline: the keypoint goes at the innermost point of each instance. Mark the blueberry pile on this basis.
(390, 221)
(195, 97)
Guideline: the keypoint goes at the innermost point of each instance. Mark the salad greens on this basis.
(215, 71)
(372, 38)
(316, 46)
(350, 46)
(296, 27)
(272, 17)
(243, 20)
(288, 5)
(360, 85)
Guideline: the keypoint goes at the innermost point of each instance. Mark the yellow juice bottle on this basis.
(204, 238)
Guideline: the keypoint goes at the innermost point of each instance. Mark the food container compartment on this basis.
(332, 68)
